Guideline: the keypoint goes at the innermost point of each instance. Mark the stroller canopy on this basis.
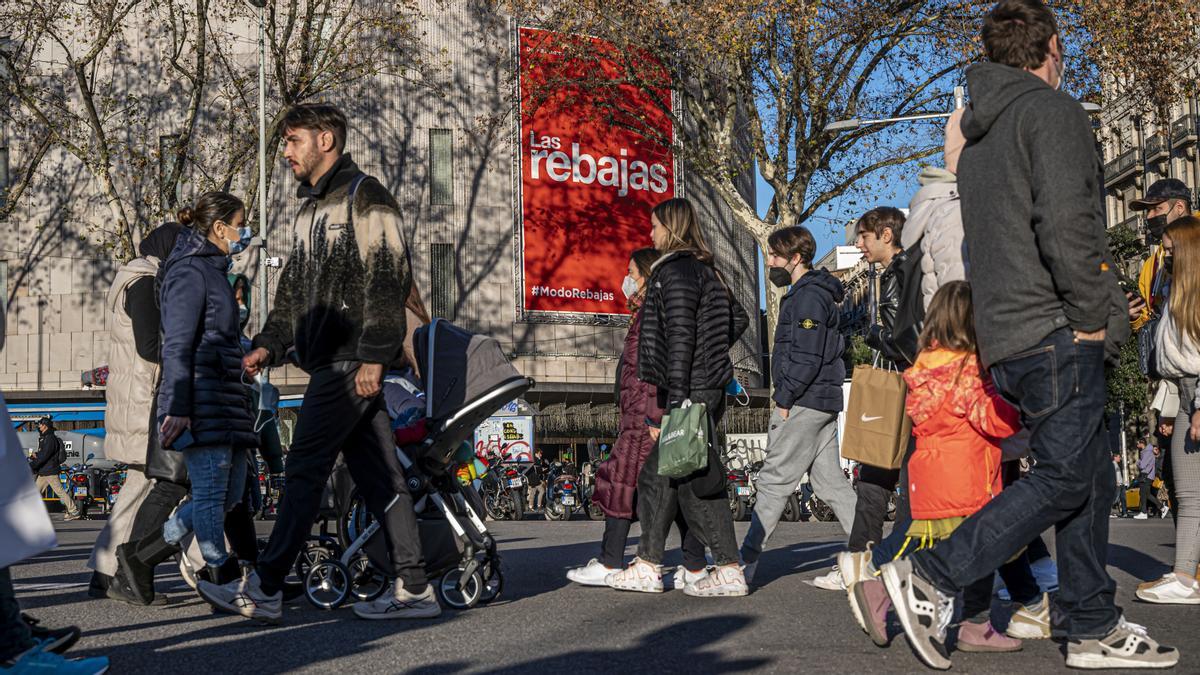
(458, 366)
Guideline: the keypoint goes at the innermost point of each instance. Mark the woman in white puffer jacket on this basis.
(935, 219)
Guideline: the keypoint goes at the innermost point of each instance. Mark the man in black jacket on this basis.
(340, 305)
(1046, 307)
(46, 464)
(878, 237)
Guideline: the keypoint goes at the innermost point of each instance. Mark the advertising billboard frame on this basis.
(533, 316)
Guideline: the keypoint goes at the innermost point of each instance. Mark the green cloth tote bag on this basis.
(683, 443)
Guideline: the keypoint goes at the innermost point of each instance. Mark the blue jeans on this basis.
(218, 476)
(1059, 388)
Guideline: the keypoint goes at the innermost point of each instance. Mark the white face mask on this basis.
(629, 287)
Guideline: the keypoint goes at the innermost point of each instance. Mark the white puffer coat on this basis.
(131, 379)
(935, 213)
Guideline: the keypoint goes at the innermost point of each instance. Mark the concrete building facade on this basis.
(447, 149)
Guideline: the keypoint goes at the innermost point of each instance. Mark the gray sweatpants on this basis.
(1185, 469)
(805, 442)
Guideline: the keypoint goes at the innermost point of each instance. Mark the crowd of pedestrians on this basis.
(999, 303)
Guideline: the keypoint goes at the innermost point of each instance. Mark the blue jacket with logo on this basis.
(806, 363)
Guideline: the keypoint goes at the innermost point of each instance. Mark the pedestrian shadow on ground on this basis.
(691, 645)
(776, 563)
(1135, 563)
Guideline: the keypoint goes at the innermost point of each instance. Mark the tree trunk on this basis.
(116, 210)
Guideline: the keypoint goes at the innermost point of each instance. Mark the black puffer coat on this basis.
(690, 321)
(201, 348)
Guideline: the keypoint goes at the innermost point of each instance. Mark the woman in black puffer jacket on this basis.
(204, 407)
(690, 320)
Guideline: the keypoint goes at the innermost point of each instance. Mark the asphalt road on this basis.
(544, 623)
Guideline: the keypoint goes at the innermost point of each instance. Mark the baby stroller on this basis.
(467, 379)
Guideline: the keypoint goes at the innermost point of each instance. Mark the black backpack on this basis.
(61, 456)
(910, 314)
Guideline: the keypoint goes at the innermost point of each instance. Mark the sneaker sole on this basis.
(1167, 601)
(586, 582)
(428, 614)
(880, 639)
(254, 614)
(983, 649)
(1101, 662)
(896, 588)
(1024, 631)
(739, 593)
(854, 609)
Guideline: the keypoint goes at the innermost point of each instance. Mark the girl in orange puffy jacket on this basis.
(958, 420)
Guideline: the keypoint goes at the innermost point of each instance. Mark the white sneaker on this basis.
(1029, 625)
(640, 576)
(591, 574)
(829, 582)
(854, 567)
(1171, 589)
(1141, 516)
(1046, 573)
(400, 604)
(722, 582)
(683, 576)
(1165, 512)
(186, 570)
(243, 596)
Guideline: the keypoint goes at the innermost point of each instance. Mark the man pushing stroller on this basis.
(340, 304)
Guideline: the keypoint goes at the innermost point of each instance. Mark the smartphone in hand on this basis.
(184, 440)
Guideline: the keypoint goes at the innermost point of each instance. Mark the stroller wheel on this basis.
(493, 582)
(328, 584)
(313, 553)
(460, 598)
(366, 582)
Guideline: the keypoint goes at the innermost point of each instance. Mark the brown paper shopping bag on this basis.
(877, 428)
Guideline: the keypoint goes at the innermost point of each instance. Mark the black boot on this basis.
(98, 587)
(230, 570)
(136, 563)
(122, 591)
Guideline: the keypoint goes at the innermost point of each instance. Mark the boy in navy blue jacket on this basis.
(807, 371)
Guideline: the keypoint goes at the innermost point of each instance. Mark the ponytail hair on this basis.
(209, 208)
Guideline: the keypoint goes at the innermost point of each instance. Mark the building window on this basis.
(168, 194)
(441, 168)
(444, 297)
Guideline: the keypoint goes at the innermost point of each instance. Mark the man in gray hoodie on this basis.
(1047, 306)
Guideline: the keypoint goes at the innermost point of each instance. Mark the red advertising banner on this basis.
(593, 165)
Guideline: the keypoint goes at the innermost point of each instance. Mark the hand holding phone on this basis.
(172, 430)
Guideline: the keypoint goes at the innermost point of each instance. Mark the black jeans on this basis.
(875, 487)
(1059, 388)
(333, 419)
(1149, 496)
(616, 532)
(660, 499)
(14, 634)
(1018, 579)
(156, 508)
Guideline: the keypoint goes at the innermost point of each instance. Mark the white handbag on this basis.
(25, 528)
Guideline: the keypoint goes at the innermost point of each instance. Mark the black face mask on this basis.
(780, 276)
(1168, 263)
(1155, 227)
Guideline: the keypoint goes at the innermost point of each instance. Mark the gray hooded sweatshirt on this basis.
(1033, 219)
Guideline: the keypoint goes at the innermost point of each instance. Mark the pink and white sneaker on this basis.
(640, 576)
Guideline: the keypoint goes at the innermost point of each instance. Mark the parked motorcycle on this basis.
(740, 490)
(563, 494)
(588, 479)
(114, 481)
(503, 496)
(87, 485)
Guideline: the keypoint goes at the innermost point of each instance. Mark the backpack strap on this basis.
(354, 183)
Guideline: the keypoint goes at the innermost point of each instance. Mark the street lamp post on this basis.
(262, 167)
